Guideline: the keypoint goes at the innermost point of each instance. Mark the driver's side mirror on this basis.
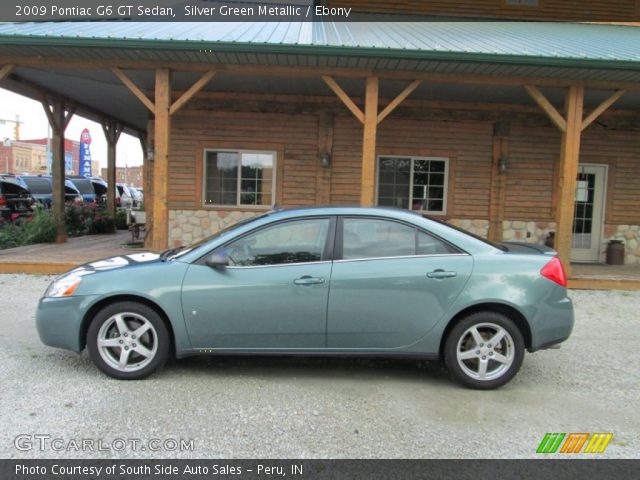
(218, 260)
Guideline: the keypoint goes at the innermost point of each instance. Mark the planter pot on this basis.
(139, 216)
(615, 252)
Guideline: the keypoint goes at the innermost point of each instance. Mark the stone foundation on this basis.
(189, 226)
(528, 232)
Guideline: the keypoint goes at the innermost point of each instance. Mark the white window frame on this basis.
(239, 179)
(445, 186)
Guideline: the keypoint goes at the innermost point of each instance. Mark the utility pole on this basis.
(16, 125)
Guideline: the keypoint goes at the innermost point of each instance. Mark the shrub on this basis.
(121, 219)
(87, 219)
(40, 228)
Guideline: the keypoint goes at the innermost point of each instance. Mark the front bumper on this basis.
(59, 321)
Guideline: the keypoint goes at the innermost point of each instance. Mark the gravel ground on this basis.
(322, 408)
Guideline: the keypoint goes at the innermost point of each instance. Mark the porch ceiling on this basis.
(100, 90)
(584, 52)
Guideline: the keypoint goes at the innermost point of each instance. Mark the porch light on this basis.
(150, 152)
(503, 164)
(325, 159)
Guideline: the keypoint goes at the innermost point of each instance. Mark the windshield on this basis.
(219, 234)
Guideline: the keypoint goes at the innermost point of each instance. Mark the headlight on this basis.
(64, 287)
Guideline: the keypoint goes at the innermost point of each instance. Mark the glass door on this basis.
(589, 213)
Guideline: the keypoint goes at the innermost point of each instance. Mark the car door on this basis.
(273, 294)
(390, 283)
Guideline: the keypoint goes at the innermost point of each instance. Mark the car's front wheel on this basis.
(128, 340)
(484, 350)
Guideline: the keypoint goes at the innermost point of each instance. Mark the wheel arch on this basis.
(102, 303)
(504, 309)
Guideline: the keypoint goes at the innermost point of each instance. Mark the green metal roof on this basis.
(515, 43)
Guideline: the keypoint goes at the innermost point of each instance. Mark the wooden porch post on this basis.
(58, 119)
(367, 192)
(162, 136)
(566, 187)
(112, 133)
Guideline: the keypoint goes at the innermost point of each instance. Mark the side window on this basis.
(298, 241)
(373, 238)
(428, 245)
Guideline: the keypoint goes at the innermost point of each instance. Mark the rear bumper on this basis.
(553, 324)
(59, 321)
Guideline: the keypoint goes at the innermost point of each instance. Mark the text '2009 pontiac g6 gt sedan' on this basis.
(328, 281)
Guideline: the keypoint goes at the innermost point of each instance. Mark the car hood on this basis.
(120, 261)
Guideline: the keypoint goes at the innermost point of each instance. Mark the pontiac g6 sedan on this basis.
(318, 281)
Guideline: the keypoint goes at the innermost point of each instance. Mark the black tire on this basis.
(154, 342)
(469, 371)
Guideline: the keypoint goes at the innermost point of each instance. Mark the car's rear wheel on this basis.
(128, 340)
(484, 350)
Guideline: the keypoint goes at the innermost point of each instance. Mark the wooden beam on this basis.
(367, 192)
(195, 88)
(306, 72)
(33, 90)
(162, 138)
(58, 115)
(149, 164)
(112, 131)
(546, 106)
(134, 89)
(5, 70)
(568, 172)
(342, 95)
(398, 100)
(600, 109)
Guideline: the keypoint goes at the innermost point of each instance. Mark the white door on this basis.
(589, 213)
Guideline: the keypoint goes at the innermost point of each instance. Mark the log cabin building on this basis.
(512, 130)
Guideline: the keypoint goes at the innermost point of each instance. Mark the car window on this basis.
(430, 245)
(373, 238)
(38, 185)
(11, 188)
(83, 185)
(298, 241)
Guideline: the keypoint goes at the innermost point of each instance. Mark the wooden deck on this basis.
(53, 258)
(590, 276)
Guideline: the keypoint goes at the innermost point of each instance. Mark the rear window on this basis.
(10, 188)
(37, 186)
(84, 185)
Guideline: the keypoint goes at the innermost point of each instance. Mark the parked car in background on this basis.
(85, 186)
(318, 281)
(100, 187)
(41, 188)
(15, 199)
(137, 196)
(124, 197)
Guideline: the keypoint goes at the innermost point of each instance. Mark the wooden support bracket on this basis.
(134, 89)
(398, 100)
(342, 95)
(195, 88)
(553, 114)
(600, 109)
(5, 70)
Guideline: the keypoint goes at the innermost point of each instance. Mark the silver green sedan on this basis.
(329, 281)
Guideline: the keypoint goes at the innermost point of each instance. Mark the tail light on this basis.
(554, 271)
(3, 201)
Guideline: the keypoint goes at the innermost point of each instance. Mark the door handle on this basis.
(308, 280)
(441, 274)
